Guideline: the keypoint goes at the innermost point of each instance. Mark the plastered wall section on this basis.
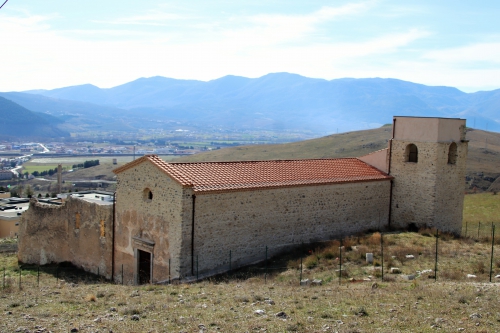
(245, 222)
(9, 226)
(379, 159)
(429, 129)
(156, 220)
(77, 231)
(430, 191)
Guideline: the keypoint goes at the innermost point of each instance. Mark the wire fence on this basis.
(384, 257)
(478, 230)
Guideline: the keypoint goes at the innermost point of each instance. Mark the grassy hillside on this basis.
(348, 144)
(483, 160)
(268, 298)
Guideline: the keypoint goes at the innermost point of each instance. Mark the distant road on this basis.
(45, 149)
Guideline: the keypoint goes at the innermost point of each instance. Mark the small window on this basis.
(147, 195)
(411, 154)
(452, 153)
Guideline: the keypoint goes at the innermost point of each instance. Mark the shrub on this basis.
(131, 311)
(429, 232)
(451, 274)
(479, 267)
(311, 262)
(360, 312)
(374, 239)
(329, 254)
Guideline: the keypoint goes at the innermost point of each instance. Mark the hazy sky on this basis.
(57, 43)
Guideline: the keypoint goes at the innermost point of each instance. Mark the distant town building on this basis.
(6, 174)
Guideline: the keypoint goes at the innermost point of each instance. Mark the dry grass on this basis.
(228, 304)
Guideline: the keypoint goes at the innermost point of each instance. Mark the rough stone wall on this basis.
(450, 188)
(70, 232)
(430, 191)
(245, 222)
(157, 220)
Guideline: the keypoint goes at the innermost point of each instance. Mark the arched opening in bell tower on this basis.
(452, 153)
(411, 153)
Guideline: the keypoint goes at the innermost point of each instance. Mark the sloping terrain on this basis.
(74, 116)
(18, 121)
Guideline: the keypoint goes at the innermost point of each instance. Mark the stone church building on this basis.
(182, 220)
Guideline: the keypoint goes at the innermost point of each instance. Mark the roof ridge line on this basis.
(254, 161)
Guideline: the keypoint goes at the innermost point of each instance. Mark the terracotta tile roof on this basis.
(227, 176)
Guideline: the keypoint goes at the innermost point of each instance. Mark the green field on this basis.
(480, 212)
(39, 168)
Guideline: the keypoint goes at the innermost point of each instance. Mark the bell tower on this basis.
(427, 159)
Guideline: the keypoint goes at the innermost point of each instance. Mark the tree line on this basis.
(86, 164)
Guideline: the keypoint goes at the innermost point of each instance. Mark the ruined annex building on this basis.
(182, 220)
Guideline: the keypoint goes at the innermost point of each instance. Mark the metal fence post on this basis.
(20, 271)
(478, 227)
(466, 228)
(229, 261)
(169, 271)
(492, 245)
(38, 276)
(265, 272)
(436, 261)
(4, 277)
(196, 267)
(382, 253)
(122, 274)
(301, 255)
(340, 261)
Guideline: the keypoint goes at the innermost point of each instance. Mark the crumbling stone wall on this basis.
(77, 231)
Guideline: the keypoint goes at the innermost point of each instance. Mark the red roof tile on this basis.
(227, 176)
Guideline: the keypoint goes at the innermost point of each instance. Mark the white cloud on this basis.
(153, 18)
(37, 56)
(479, 52)
(284, 28)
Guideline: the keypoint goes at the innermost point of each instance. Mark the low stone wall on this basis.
(78, 231)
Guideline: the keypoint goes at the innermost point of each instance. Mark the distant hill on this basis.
(483, 159)
(77, 116)
(282, 101)
(18, 121)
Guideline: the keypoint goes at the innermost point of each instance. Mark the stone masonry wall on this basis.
(430, 191)
(77, 231)
(157, 220)
(245, 222)
(450, 188)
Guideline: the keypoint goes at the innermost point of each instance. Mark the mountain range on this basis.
(277, 101)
